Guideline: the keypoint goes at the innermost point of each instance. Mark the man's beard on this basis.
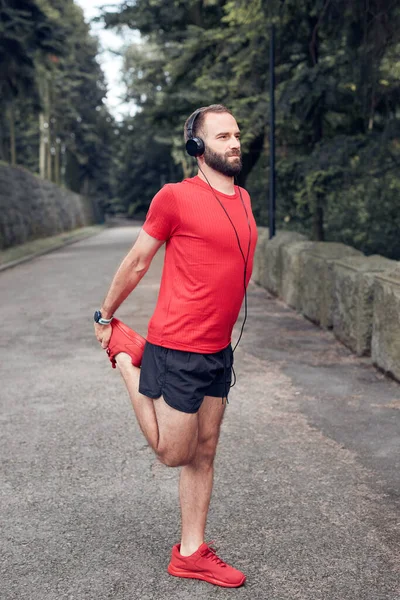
(222, 163)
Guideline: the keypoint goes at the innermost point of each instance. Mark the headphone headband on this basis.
(189, 129)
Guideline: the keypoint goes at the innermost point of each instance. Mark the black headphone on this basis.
(194, 145)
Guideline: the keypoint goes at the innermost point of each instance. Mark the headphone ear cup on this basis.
(195, 147)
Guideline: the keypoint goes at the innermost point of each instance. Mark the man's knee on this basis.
(206, 449)
(124, 364)
(174, 458)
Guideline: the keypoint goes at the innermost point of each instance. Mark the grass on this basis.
(46, 244)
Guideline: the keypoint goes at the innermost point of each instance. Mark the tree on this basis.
(146, 164)
(56, 88)
(24, 30)
(337, 96)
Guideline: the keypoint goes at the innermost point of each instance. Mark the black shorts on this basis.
(184, 378)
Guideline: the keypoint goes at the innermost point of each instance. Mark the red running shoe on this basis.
(124, 339)
(206, 565)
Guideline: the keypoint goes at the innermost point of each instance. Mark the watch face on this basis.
(97, 316)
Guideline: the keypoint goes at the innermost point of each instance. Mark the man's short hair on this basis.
(199, 122)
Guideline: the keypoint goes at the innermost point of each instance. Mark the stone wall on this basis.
(338, 288)
(32, 208)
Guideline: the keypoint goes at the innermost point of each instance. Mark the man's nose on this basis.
(235, 142)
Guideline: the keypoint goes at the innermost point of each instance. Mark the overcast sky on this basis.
(111, 64)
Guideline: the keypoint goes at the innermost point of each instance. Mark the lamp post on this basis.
(272, 178)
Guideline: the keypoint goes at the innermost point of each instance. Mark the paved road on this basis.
(307, 484)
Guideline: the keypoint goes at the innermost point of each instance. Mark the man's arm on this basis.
(130, 272)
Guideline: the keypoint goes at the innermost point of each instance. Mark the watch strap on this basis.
(98, 318)
(105, 321)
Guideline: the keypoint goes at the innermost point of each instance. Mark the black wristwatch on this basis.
(99, 319)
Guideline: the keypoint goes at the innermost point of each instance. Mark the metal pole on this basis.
(272, 200)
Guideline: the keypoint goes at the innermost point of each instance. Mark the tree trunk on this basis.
(63, 161)
(49, 161)
(318, 221)
(45, 158)
(57, 178)
(85, 188)
(72, 172)
(318, 214)
(3, 151)
(42, 147)
(13, 153)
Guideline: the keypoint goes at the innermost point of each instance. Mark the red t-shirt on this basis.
(202, 284)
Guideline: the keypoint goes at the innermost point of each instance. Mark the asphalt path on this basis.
(306, 494)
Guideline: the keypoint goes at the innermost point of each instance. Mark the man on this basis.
(180, 392)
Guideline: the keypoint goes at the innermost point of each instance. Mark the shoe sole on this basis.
(134, 347)
(188, 575)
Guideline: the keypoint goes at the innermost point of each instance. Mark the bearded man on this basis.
(178, 379)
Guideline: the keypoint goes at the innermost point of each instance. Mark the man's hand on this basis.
(103, 334)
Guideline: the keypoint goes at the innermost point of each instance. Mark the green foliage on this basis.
(145, 166)
(48, 66)
(337, 99)
(337, 103)
(25, 29)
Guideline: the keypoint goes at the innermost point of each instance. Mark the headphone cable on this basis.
(245, 259)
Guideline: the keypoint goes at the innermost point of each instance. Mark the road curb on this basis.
(28, 257)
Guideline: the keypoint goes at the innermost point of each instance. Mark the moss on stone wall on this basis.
(32, 208)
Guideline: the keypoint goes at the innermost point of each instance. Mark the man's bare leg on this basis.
(143, 406)
(197, 477)
(172, 434)
(183, 439)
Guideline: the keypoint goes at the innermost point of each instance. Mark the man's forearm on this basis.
(125, 280)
